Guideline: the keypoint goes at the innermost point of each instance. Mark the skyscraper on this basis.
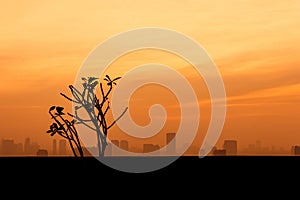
(27, 146)
(62, 148)
(54, 147)
(230, 146)
(171, 143)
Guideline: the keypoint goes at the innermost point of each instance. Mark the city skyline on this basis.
(230, 147)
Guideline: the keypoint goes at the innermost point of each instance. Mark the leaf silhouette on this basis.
(116, 78)
(83, 78)
(108, 77)
(52, 108)
(52, 134)
(59, 110)
(91, 79)
(94, 84)
(54, 125)
(61, 127)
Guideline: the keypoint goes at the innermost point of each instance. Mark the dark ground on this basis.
(223, 166)
(213, 171)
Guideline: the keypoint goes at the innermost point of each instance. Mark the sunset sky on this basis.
(255, 44)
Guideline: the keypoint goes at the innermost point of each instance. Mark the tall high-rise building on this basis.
(230, 146)
(54, 147)
(62, 147)
(27, 146)
(171, 143)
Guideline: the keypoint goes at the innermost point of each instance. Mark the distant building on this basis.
(147, 148)
(19, 149)
(296, 150)
(30, 148)
(42, 153)
(8, 147)
(89, 151)
(34, 147)
(54, 147)
(230, 146)
(171, 143)
(62, 147)
(27, 146)
(124, 145)
(219, 152)
(258, 147)
(116, 142)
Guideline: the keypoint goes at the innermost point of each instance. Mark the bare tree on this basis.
(95, 108)
(65, 129)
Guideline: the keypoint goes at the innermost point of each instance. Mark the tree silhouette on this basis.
(65, 129)
(96, 109)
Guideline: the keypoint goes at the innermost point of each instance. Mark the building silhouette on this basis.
(34, 147)
(147, 148)
(116, 142)
(42, 153)
(30, 148)
(124, 145)
(219, 152)
(54, 147)
(62, 147)
(8, 147)
(230, 146)
(27, 146)
(171, 143)
(296, 150)
(258, 147)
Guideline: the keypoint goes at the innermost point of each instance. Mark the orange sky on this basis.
(255, 44)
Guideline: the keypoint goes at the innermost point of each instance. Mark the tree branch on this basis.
(118, 118)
